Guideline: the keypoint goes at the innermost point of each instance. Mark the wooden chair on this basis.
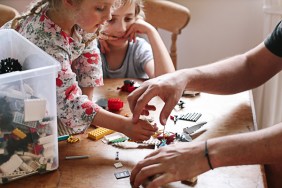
(6, 14)
(168, 16)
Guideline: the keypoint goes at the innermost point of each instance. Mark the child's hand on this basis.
(104, 47)
(140, 131)
(103, 37)
(140, 26)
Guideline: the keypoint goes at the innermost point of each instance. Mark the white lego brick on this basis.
(118, 165)
(26, 158)
(34, 109)
(42, 160)
(46, 139)
(48, 145)
(28, 154)
(49, 166)
(152, 141)
(14, 174)
(26, 167)
(114, 136)
(11, 165)
(34, 165)
(49, 153)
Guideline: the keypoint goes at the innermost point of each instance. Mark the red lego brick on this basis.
(114, 104)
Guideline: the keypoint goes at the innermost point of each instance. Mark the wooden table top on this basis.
(225, 114)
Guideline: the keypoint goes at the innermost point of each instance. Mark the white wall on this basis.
(217, 29)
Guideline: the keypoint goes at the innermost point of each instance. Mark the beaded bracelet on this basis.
(207, 154)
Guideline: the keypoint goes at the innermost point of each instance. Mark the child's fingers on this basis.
(104, 36)
(133, 37)
(104, 46)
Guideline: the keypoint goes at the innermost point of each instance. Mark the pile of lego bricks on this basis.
(28, 144)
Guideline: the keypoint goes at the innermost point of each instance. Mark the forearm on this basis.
(89, 91)
(224, 77)
(260, 147)
(139, 132)
(162, 60)
(235, 74)
(109, 120)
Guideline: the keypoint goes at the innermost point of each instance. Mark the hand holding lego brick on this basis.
(164, 87)
(169, 164)
(140, 131)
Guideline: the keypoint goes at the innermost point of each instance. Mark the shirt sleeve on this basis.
(75, 110)
(143, 53)
(89, 66)
(274, 40)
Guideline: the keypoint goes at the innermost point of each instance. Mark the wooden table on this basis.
(225, 115)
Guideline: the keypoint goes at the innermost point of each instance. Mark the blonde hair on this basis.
(139, 5)
(34, 8)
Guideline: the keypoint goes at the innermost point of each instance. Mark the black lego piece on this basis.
(9, 65)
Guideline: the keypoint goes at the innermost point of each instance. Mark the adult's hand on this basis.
(168, 87)
(172, 163)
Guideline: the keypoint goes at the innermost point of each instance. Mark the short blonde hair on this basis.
(139, 5)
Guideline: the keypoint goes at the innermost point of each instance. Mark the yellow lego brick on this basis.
(99, 133)
(19, 133)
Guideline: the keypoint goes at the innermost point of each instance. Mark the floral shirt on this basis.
(74, 110)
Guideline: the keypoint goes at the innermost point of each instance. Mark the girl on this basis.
(65, 29)
(122, 58)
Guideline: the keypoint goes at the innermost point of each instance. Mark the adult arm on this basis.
(229, 76)
(187, 160)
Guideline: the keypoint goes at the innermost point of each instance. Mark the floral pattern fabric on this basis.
(80, 66)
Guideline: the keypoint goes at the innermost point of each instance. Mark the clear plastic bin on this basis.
(28, 123)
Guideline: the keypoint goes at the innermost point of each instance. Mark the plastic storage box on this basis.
(28, 123)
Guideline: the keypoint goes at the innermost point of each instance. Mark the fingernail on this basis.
(164, 121)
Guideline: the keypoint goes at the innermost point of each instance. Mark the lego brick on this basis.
(19, 133)
(99, 133)
(11, 165)
(34, 109)
(115, 104)
(123, 174)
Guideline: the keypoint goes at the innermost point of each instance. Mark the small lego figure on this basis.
(175, 119)
(128, 86)
(117, 157)
(115, 104)
(181, 104)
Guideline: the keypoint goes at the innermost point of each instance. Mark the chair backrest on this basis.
(6, 14)
(168, 16)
